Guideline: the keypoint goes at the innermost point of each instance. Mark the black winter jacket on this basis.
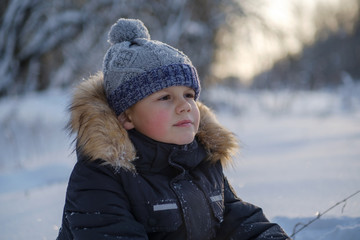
(128, 186)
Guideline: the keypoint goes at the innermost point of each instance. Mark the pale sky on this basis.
(250, 50)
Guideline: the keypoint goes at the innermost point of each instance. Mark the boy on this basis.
(150, 156)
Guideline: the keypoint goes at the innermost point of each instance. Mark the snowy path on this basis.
(32, 214)
(299, 166)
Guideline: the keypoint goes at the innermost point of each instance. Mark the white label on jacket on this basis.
(216, 198)
(165, 206)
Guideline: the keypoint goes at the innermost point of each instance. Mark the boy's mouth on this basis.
(183, 123)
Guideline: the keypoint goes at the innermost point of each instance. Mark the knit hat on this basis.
(136, 66)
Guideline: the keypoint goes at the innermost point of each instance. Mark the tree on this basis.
(331, 60)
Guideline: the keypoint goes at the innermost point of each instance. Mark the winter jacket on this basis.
(128, 186)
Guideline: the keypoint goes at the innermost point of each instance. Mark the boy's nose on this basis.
(183, 106)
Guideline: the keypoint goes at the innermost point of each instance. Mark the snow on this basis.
(300, 155)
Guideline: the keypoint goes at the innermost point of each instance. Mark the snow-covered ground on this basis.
(300, 155)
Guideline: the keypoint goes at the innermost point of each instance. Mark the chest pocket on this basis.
(160, 216)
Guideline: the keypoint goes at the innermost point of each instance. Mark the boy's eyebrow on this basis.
(159, 92)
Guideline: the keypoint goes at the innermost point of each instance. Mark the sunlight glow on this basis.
(288, 25)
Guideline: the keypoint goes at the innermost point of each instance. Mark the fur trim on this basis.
(99, 135)
(220, 143)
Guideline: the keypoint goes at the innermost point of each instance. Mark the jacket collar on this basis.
(99, 135)
(155, 156)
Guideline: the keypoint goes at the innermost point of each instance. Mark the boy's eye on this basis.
(190, 95)
(164, 98)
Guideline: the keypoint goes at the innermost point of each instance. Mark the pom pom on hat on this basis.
(127, 30)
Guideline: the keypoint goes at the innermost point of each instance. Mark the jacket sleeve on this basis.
(97, 207)
(244, 221)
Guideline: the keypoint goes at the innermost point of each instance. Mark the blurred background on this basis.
(284, 75)
(255, 43)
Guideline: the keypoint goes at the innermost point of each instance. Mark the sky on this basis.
(253, 46)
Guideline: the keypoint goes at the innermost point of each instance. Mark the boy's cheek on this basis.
(159, 122)
(196, 114)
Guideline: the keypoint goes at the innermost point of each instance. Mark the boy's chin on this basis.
(183, 141)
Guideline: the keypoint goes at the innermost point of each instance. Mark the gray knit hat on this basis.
(135, 66)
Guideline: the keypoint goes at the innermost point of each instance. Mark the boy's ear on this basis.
(125, 121)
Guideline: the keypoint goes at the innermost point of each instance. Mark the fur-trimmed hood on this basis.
(99, 134)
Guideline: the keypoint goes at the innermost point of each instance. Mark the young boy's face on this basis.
(170, 115)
